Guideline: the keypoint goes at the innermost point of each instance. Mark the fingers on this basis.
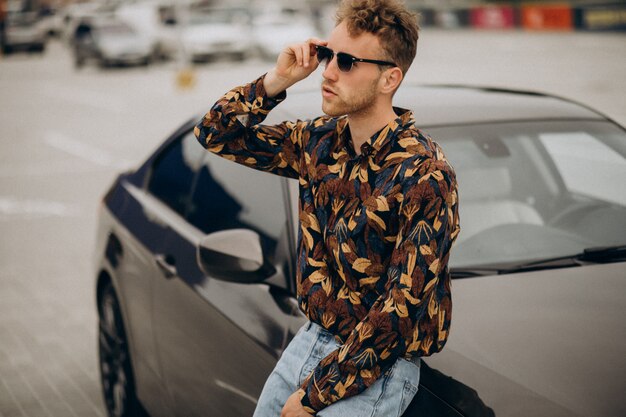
(302, 52)
(310, 45)
(306, 54)
(305, 50)
(295, 62)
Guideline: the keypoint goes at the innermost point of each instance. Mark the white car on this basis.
(23, 32)
(112, 42)
(273, 31)
(72, 15)
(156, 21)
(214, 33)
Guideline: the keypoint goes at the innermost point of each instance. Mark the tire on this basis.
(116, 375)
(39, 48)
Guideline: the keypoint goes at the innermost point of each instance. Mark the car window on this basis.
(228, 195)
(575, 153)
(536, 190)
(173, 173)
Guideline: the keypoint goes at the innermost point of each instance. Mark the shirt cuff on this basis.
(311, 403)
(269, 102)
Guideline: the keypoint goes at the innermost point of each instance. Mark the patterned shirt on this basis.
(375, 232)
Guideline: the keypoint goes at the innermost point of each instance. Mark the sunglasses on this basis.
(344, 61)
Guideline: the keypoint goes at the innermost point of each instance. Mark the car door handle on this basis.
(166, 264)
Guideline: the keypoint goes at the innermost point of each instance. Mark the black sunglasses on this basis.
(344, 61)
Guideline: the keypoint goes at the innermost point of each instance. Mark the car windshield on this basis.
(535, 190)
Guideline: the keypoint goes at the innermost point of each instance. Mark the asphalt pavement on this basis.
(64, 134)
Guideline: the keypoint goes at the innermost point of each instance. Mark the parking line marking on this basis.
(85, 97)
(84, 151)
(11, 206)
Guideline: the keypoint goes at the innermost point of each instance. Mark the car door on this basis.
(142, 239)
(218, 340)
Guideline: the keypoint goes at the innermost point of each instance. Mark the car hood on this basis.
(543, 343)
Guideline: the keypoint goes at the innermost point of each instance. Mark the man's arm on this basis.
(232, 128)
(413, 314)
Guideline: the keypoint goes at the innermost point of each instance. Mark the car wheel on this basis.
(37, 48)
(116, 374)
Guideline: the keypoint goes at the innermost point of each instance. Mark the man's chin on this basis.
(331, 110)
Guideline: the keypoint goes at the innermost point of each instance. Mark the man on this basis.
(378, 214)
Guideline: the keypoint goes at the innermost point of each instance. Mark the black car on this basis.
(195, 266)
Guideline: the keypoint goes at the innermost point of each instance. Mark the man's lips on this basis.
(328, 92)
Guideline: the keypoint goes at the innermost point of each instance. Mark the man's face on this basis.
(352, 92)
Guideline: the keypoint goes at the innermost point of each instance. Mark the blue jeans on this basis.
(389, 396)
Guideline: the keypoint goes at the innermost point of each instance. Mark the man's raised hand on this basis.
(295, 63)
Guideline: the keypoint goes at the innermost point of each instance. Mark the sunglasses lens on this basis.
(344, 62)
(324, 55)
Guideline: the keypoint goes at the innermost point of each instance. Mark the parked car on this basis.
(109, 42)
(51, 21)
(73, 14)
(23, 31)
(272, 27)
(155, 20)
(217, 32)
(195, 262)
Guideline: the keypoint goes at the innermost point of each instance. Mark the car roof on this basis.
(445, 105)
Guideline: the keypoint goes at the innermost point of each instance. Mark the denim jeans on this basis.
(389, 396)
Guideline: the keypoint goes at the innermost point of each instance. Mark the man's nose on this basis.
(331, 71)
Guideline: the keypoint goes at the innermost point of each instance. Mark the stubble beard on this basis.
(360, 102)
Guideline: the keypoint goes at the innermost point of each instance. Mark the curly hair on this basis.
(389, 20)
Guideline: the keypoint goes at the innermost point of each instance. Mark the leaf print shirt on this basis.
(375, 232)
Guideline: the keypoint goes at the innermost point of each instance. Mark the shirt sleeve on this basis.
(412, 316)
(232, 130)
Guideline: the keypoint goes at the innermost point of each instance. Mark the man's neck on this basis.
(364, 124)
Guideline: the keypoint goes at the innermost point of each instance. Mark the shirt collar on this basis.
(379, 139)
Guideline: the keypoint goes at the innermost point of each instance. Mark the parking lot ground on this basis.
(64, 134)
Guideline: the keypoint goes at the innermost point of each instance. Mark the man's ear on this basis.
(390, 81)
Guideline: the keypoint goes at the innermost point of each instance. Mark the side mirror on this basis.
(234, 255)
